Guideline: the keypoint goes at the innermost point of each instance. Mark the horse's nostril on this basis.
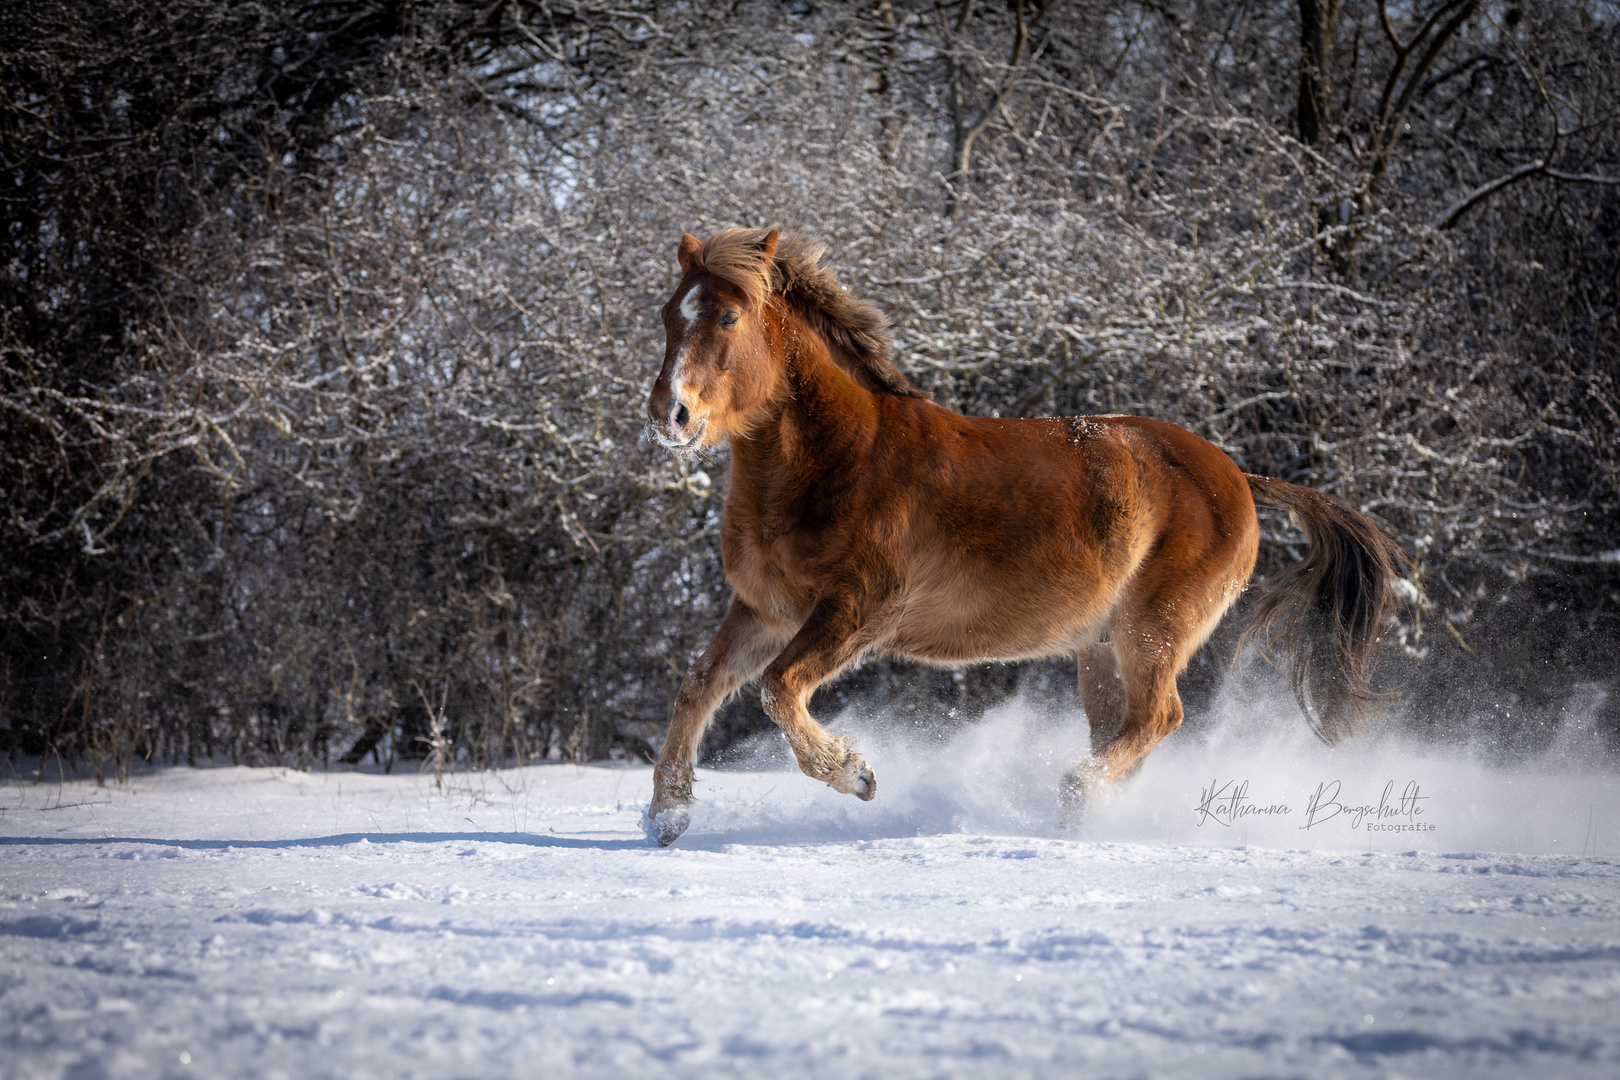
(682, 415)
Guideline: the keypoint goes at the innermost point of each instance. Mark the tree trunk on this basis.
(1317, 19)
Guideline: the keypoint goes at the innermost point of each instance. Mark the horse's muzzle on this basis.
(683, 439)
(671, 421)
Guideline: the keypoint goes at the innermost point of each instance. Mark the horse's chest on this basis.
(771, 573)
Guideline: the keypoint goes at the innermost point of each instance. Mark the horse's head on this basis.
(718, 367)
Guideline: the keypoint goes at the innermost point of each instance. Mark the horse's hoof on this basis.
(856, 778)
(1078, 793)
(1072, 802)
(665, 827)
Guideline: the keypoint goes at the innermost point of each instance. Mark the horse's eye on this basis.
(728, 319)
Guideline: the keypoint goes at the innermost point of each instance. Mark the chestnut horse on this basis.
(864, 518)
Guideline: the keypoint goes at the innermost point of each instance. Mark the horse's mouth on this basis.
(693, 441)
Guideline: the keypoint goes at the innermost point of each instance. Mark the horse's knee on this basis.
(777, 696)
(781, 704)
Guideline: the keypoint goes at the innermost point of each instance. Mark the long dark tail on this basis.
(1330, 608)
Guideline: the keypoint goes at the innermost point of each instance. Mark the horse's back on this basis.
(1020, 537)
(1104, 488)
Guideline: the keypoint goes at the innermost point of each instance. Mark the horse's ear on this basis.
(767, 246)
(687, 252)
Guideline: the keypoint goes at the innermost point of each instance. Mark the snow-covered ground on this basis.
(257, 922)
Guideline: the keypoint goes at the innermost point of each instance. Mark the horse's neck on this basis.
(822, 419)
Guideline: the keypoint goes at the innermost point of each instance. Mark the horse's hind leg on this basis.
(741, 648)
(1151, 651)
(1102, 692)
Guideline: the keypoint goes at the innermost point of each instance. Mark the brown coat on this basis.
(862, 517)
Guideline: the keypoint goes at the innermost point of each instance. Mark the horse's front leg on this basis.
(741, 648)
(834, 636)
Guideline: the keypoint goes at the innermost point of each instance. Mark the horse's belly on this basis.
(955, 624)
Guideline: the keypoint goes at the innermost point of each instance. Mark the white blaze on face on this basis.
(689, 306)
(689, 311)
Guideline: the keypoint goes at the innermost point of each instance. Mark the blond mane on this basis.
(858, 329)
